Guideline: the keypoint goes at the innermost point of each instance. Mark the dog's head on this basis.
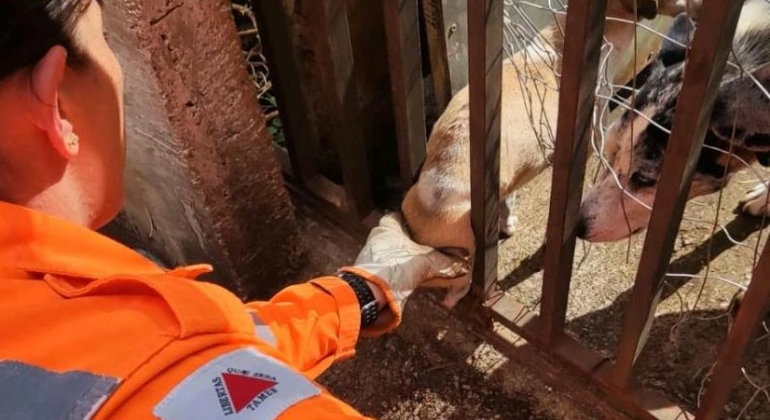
(617, 205)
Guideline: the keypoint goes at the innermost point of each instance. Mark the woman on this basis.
(91, 329)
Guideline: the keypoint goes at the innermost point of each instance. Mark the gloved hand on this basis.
(399, 265)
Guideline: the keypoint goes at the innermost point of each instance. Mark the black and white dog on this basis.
(635, 145)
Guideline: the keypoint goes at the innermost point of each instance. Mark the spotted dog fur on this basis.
(635, 146)
(437, 208)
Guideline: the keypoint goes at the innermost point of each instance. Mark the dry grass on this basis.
(692, 318)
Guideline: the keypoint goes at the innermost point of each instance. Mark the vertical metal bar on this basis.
(337, 67)
(580, 64)
(485, 59)
(705, 65)
(402, 27)
(750, 315)
(278, 45)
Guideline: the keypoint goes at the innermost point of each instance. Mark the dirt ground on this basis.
(686, 336)
(434, 368)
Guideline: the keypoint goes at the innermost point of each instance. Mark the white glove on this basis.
(405, 265)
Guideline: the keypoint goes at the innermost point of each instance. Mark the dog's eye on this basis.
(641, 180)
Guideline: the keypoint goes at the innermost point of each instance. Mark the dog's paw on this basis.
(508, 221)
(508, 226)
(755, 202)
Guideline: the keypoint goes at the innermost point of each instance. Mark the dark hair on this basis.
(29, 28)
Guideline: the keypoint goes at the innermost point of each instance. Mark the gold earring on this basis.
(72, 140)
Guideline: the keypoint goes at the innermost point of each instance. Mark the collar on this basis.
(35, 242)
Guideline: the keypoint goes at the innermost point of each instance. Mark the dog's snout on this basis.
(581, 228)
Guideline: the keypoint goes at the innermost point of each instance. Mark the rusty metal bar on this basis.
(402, 27)
(337, 68)
(278, 46)
(705, 65)
(582, 45)
(637, 401)
(750, 315)
(485, 60)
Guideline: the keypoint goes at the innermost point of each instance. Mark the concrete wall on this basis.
(202, 182)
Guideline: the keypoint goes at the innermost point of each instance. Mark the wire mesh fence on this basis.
(723, 230)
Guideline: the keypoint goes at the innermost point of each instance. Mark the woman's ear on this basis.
(45, 82)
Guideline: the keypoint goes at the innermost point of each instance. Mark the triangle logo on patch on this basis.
(243, 389)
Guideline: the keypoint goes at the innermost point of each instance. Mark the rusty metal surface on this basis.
(585, 27)
(402, 26)
(485, 60)
(707, 59)
(635, 400)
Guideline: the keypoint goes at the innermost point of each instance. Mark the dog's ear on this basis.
(673, 50)
(742, 111)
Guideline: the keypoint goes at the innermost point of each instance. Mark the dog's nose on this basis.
(581, 228)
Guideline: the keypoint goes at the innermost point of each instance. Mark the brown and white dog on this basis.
(635, 154)
(437, 207)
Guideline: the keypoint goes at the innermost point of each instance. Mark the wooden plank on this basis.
(583, 40)
(277, 44)
(750, 315)
(337, 68)
(703, 73)
(402, 27)
(321, 207)
(433, 16)
(324, 191)
(457, 42)
(447, 33)
(485, 45)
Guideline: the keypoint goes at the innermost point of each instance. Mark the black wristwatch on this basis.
(366, 299)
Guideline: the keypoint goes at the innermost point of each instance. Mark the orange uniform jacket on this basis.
(91, 329)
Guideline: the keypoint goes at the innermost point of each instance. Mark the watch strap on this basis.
(366, 300)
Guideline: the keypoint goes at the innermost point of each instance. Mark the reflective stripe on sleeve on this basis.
(262, 330)
(30, 392)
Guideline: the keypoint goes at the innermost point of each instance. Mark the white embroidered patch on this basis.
(242, 384)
